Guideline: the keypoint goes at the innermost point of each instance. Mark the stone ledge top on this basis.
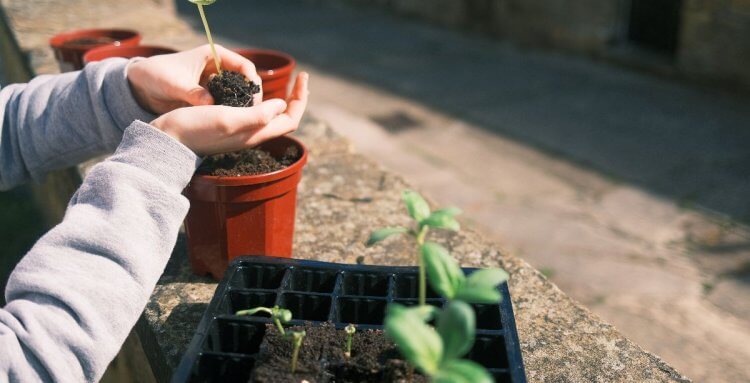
(343, 196)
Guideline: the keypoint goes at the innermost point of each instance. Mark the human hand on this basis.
(213, 129)
(164, 83)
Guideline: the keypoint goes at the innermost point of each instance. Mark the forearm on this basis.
(75, 296)
(57, 121)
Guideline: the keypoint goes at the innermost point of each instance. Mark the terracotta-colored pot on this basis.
(105, 52)
(70, 46)
(275, 69)
(246, 215)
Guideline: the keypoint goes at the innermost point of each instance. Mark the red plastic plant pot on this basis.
(105, 52)
(70, 46)
(244, 215)
(275, 69)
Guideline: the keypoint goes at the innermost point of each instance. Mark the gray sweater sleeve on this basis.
(77, 293)
(75, 296)
(57, 121)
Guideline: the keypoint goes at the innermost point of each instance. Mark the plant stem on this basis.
(277, 322)
(217, 60)
(297, 338)
(422, 272)
(350, 330)
(254, 310)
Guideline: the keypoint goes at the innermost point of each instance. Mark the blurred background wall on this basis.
(692, 38)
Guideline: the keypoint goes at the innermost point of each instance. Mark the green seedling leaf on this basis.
(445, 275)
(379, 235)
(443, 219)
(416, 205)
(202, 2)
(456, 325)
(481, 286)
(462, 371)
(424, 312)
(418, 342)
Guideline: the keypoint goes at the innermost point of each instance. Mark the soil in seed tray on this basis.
(321, 359)
(232, 89)
(247, 162)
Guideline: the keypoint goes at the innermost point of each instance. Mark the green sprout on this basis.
(420, 212)
(297, 337)
(448, 280)
(350, 330)
(278, 315)
(200, 4)
(437, 352)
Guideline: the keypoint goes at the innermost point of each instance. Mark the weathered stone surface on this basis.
(445, 12)
(713, 42)
(341, 198)
(583, 25)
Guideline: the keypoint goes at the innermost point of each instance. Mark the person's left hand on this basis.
(164, 83)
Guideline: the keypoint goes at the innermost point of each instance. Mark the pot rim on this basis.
(123, 48)
(257, 178)
(58, 41)
(283, 70)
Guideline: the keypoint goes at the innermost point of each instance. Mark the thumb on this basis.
(198, 96)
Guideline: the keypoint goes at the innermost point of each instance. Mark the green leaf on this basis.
(462, 371)
(202, 2)
(416, 205)
(456, 325)
(481, 286)
(418, 342)
(442, 219)
(444, 273)
(379, 235)
(425, 313)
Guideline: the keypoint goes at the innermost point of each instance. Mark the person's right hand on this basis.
(214, 129)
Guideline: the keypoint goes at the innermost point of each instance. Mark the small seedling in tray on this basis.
(350, 330)
(297, 337)
(424, 219)
(278, 315)
(437, 352)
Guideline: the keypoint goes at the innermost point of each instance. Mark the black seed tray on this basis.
(225, 346)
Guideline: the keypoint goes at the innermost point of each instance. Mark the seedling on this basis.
(350, 330)
(424, 219)
(297, 337)
(448, 280)
(437, 352)
(200, 4)
(278, 315)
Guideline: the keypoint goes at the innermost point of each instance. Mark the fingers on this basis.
(199, 95)
(242, 120)
(288, 121)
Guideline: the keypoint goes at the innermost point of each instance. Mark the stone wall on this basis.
(714, 39)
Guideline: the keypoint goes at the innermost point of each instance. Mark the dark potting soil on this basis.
(89, 41)
(247, 162)
(232, 89)
(374, 358)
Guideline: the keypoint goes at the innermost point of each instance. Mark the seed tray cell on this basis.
(225, 346)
